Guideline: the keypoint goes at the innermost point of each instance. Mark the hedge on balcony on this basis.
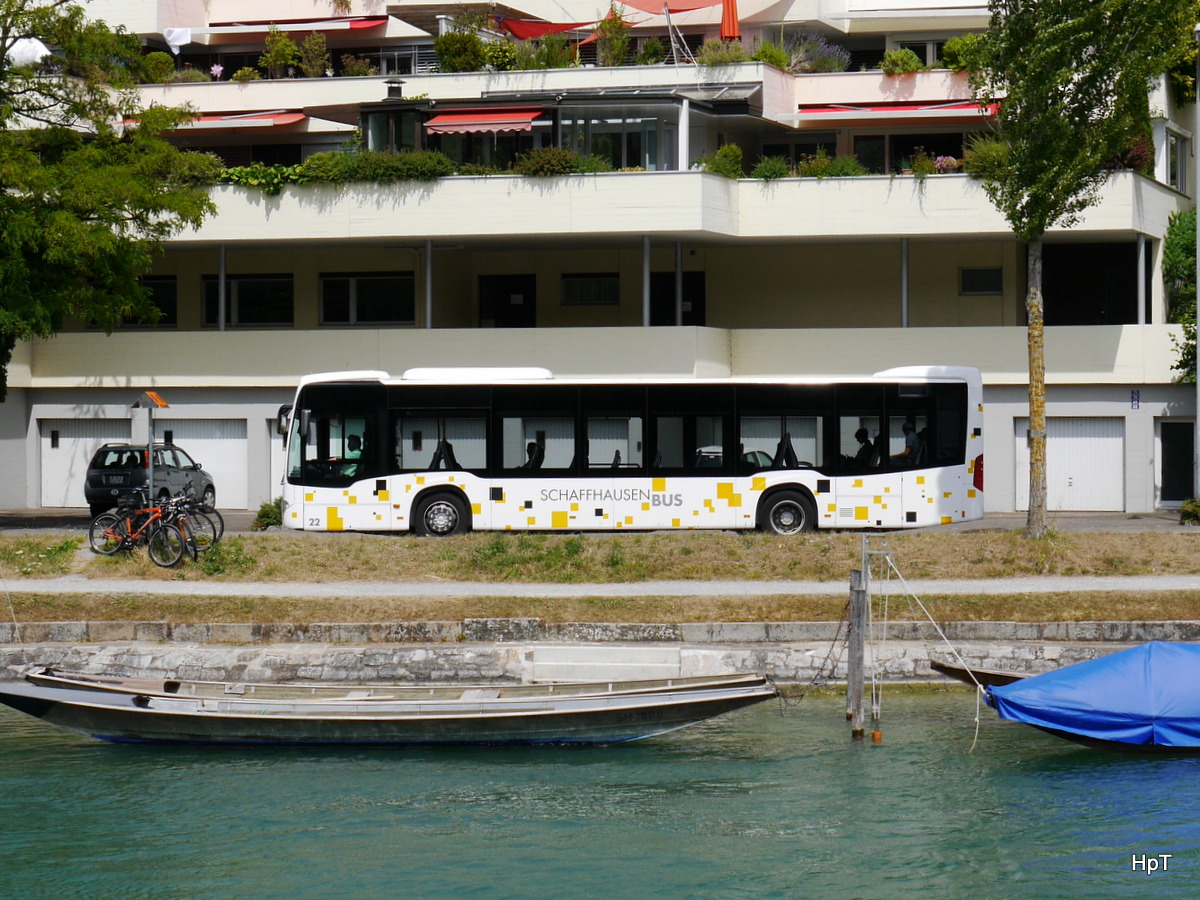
(386, 168)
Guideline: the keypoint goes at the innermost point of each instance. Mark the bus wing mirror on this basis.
(281, 419)
(305, 424)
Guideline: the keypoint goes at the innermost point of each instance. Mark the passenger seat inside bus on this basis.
(443, 456)
(785, 454)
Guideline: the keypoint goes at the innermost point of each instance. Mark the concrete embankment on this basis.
(532, 650)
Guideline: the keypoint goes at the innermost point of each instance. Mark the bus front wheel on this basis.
(787, 512)
(440, 515)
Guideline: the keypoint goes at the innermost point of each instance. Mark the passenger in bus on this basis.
(908, 456)
(536, 456)
(353, 447)
(865, 449)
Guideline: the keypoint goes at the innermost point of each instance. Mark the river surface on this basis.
(754, 804)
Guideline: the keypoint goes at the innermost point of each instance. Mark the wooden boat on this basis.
(1140, 699)
(982, 677)
(196, 712)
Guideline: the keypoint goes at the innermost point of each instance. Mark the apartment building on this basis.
(655, 268)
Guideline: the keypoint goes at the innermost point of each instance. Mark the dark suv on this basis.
(119, 469)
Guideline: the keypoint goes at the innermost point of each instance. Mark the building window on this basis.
(385, 298)
(164, 294)
(981, 281)
(1177, 161)
(250, 300)
(929, 52)
(591, 290)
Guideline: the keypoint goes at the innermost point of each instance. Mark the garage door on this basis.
(67, 446)
(1085, 463)
(220, 446)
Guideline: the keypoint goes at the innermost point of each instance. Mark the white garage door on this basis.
(278, 463)
(220, 446)
(1085, 463)
(67, 446)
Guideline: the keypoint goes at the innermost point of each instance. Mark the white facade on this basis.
(800, 276)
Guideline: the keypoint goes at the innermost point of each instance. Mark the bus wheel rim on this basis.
(441, 517)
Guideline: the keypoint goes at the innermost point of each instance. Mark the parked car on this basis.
(119, 469)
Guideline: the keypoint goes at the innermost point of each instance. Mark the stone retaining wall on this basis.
(532, 629)
(515, 649)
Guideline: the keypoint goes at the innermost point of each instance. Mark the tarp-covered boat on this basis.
(1144, 698)
(149, 711)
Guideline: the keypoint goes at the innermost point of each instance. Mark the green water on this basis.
(751, 805)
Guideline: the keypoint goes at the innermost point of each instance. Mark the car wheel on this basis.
(209, 497)
(97, 508)
(441, 515)
(787, 512)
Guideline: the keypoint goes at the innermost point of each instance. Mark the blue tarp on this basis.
(1145, 696)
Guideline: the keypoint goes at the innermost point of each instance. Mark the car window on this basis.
(184, 461)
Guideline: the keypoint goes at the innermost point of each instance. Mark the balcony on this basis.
(1120, 355)
(622, 206)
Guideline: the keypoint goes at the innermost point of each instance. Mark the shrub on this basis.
(188, 76)
(157, 67)
(922, 164)
(246, 73)
(811, 53)
(270, 179)
(651, 53)
(500, 55)
(847, 166)
(964, 53)
(270, 515)
(613, 38)
(479, 169)
(770, 168)
(554, 51)
(772, 55)
(822, 165)
(721, 53)
(900, 62)
(1189, 512)
(546, 161)
(281, 53)
(459, 52)
(986, 156)
(357, 67)
(314, 55)
(726, 162)
(326, 168)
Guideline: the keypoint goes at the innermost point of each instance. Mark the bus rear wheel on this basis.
(787, 512)
(441, 515)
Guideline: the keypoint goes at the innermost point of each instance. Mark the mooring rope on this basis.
(913, 598)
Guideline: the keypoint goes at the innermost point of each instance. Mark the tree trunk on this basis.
(1035, 525)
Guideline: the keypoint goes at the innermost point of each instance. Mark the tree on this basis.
(1179, 277)
(89, 187)
(280, 53)
(1071, 78)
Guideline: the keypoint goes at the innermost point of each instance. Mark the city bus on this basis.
(442, 451)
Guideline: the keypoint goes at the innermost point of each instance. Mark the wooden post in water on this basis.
(854, 671)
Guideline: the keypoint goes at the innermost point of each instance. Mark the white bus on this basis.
(446, 451)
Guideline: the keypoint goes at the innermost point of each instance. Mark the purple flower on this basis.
(216, 71)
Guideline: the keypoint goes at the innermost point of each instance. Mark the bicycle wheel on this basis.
(217, 520)
(106, 534)
(184, 525)
(203, 531)
(166, 545)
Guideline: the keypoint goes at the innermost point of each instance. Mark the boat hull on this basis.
(593, 719)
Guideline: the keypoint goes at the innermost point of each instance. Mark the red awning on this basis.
(245, 120)
(656, 7)
(474, 121)
(528, 29)
(953, 108)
